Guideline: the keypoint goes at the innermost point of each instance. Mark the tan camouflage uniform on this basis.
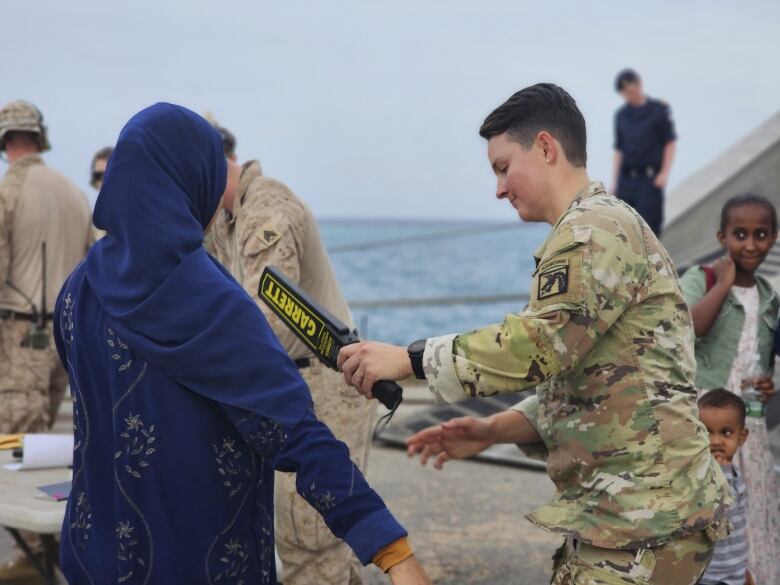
(36, 204)
(607, 340)
(270, 226)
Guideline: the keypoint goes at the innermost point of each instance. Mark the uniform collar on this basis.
(250, 171)
(28, 160)
(591, 189)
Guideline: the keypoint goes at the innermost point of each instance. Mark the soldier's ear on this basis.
(547, 145)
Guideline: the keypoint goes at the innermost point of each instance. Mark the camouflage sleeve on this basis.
(581, 287)
(694, 286)
(530, 408)
(270, 237)
(5, 233)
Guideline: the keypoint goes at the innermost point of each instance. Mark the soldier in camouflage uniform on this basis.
(607, 340)
(37, 205)
(267, 225)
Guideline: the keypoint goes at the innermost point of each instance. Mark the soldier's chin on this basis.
(525, 215)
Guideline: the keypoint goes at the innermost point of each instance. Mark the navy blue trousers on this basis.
(646, 198)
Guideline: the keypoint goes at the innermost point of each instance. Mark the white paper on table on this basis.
(41, 451)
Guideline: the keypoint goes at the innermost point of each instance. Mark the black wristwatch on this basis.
(416, 351)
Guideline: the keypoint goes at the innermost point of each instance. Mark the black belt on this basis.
(6, 314)
(635, 172)
(302, 363)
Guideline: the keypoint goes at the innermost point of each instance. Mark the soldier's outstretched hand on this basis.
(455, 439)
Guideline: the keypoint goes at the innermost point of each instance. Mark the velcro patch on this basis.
(261, 239)
(553, 279)
(269, 235)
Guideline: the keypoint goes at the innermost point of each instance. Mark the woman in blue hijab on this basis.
(184, 401)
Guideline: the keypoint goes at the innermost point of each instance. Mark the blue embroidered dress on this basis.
(184, 402)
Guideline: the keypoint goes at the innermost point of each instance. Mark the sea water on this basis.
(461, 259)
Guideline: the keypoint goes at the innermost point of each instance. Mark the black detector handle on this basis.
(388, 393)
(316, 327)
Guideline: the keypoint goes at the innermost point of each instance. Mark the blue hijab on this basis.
(174, 304)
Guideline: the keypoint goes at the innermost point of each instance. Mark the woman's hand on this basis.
(455, 439)
(408, 572)
(766, 386)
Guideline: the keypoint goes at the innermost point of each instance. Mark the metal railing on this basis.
(440, 301)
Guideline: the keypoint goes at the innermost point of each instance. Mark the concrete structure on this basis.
(693, 209)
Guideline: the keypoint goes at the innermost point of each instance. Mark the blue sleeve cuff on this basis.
(373, 533)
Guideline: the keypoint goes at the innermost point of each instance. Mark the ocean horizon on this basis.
(394, 260)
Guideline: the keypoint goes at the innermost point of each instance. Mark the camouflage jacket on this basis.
(271, 226)
(607, 340)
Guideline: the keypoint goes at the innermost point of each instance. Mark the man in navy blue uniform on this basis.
(644, 149)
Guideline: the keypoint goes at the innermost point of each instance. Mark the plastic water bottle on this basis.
(750, 394)
(753, 404)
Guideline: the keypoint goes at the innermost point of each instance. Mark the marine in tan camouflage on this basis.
(37, 206)
(270, 226)
(607, 341)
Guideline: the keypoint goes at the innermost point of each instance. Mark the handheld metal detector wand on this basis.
(320, 330)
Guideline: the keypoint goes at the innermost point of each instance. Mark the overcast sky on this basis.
(371, 109)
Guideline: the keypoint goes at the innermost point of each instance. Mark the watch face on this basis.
(418, 347)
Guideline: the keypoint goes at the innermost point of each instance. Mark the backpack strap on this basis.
(709, 276)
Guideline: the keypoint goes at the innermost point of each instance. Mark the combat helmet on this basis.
(22, 116)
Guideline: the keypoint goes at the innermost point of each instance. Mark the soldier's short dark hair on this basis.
(744, 200)
(721, 398)
(624, 78)
(543, 106)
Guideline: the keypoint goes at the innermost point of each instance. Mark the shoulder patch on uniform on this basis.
(260, 238)
(553, 279)
(269, 235)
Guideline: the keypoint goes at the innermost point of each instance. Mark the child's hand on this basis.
(749, 579)
(766, 386)
(725, 271)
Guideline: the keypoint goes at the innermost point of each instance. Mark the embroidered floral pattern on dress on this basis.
(77, 434)
(66, 322)
(230, 466)
(754, 458)
(268, 438)
(83, 522)
(323, 502)
(138, 447)
(127, 558)
(234, 563)
(119, 351)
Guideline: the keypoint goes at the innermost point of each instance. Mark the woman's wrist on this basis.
(408, 571)
(393, 554)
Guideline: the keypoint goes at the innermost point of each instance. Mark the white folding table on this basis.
(22, 509)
